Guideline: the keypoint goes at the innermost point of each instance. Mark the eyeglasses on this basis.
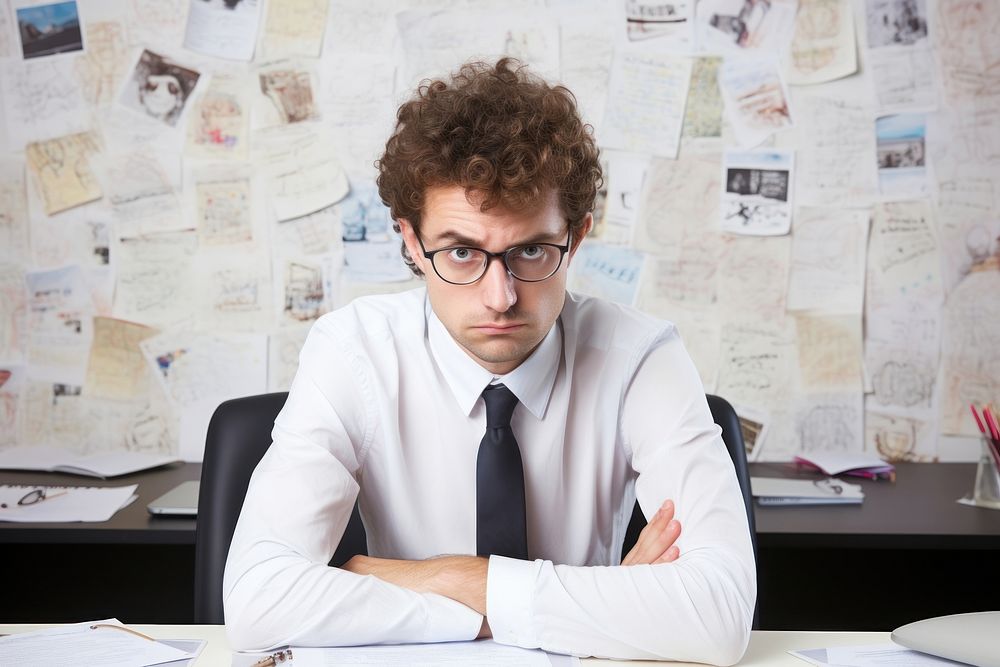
(35, 496)
(529, 263)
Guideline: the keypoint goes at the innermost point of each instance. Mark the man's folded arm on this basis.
(698, 608)
(278, 587)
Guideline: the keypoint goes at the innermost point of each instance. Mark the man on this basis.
(494, 429)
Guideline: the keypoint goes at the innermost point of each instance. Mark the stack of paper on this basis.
(29, 504)
(98, 643)
(775, 491)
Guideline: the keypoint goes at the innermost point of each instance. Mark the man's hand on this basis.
(656, 541)
(461, 578)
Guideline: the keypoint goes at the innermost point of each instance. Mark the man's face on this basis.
(498, 319)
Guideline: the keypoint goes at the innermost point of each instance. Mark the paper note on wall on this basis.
(649, 91)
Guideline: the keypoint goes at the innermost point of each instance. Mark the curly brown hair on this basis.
(502, 133)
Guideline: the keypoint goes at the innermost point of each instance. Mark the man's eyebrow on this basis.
(457, 238)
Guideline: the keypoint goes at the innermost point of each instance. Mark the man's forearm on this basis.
(461, 578)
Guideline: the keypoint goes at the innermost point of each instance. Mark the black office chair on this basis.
(238, 436)
(240, 433)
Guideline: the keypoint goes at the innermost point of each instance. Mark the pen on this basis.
(274, 659)
(979, 422)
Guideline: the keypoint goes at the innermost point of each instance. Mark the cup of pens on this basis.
(986, 493)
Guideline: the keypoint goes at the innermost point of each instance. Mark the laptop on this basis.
(182, 500)
(970, 638)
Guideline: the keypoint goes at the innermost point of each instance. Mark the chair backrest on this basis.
(238, 436)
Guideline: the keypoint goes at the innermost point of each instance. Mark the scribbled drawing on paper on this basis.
(833, 159)
(63, 174)
(971, 347)
(680, 203)
(586, 47)
(12, 380)
(116, 369)
(829, 248)
(80, 236)
(902, 382)
(154, 277)
(903, 254)
(753, 276)
(314, 234)
(969, 55)
(195, 367)
(224, 215)
(142, 194)
(219, 122)
(823, 45)
(898, 439)
(159, 88)
(830, 352)
(294, 28)
(102, 68)
(830, 423)
(757, 361)
(291, 92)
(304, 299)
(896, 22)
(156, 21)
(13, 312)
(703, 113)
(42, 100)
(14, 235)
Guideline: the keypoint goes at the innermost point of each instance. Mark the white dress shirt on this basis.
(386, 409)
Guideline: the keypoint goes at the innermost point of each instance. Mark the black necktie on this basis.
(500, 523)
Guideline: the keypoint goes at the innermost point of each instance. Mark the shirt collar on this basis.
(531, 382)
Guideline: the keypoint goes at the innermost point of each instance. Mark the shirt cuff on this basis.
(450, 621)
(510, 592)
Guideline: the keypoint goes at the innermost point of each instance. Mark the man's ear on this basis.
(409, 235)
(588, 224)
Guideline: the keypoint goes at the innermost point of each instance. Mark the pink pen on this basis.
(979, 422)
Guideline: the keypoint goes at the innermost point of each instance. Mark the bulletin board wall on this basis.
(809, 190)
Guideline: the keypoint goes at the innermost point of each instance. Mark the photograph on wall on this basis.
(900, 141)
(48, 29)
(757, 196)
(896, 22)
(728, 25)
(291, 92)
(158, 88)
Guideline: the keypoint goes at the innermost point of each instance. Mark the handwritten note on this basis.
(649, 91)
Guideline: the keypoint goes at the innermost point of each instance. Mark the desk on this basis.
(767, 649)
(908, 552)
(814, 562)
(135, 564)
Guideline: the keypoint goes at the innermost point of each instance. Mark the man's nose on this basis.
(498, 287)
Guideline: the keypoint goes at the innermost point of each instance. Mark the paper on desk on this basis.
(864, 656)
(104, 464)
(81, 644)
(76, 504)
(480, 653)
